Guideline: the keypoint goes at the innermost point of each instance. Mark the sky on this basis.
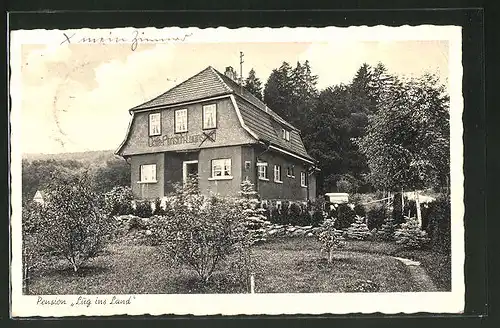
(75, 97)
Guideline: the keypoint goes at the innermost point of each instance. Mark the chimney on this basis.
(231, 73)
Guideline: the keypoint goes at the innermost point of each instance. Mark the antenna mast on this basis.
(241, 71)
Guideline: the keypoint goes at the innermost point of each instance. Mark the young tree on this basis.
(253, 84)
(329, 238)
(73, 225)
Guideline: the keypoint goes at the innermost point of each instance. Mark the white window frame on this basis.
(178, 118)
(285, 134)
(303, 180)
(262, 171)
(204, 116)
(278, 205)
(147, 173)
(277, 174)
(224, 163)
(290, 171)
(154, 123)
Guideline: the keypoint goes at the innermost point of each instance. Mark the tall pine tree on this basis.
(253, 84)
(278, 90)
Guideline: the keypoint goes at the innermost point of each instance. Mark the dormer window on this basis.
(210, 116)
(285, 134)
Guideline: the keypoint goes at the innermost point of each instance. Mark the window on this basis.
(147, 173)
(221, 168)
(278, 205)
(262, 168)
(285, 134)
(290, 171)
(210, 116)
(248, 165)
(277, 173)
(155, 124)
(303, 182)
(180, 119)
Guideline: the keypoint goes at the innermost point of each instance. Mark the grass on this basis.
(295, 265)
(289, 265)
(437, 265)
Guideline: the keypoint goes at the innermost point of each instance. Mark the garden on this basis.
(80, 242)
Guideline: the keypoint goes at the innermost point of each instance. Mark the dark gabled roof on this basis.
(205, 84)
(248, 96)
(268, 130)
(259, 118)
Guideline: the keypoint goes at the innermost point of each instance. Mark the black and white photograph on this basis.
(237, 171)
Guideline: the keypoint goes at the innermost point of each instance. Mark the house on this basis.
(210, 126)
(38, 198)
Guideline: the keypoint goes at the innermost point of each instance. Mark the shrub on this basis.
(73, 225)
(294, 215)
(118, 201)
(410, 235)
(344, 215)
(358, 229)
(329, 238)
(305, 218)
(158, 210)
(274, 214)
(143, 209)
(317, 218)
(386, 232)
(376, 216)
(283, 212)
(202, 232)
(439, 227)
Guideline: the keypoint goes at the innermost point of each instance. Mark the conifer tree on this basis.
(253, 84)
(358, 229)
(255, 218)
(410, 235)
(386, 232)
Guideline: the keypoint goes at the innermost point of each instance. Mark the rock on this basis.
(291, 229)
(148, 233)
(310, 234)
(298, 232)
(307, 227)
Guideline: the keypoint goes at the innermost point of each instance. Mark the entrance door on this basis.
(189, 169)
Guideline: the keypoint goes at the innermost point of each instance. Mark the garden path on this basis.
(421, 279)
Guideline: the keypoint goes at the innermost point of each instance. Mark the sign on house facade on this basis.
(210, 126)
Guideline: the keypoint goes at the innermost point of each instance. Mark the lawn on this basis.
(289, 265)
(437, 265)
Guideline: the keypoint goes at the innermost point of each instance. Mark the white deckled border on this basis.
(390, 303)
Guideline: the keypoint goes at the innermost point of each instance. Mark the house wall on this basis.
(228, 132)
(312, 186)
(290, 189)
(248, 154)
(147, 190)
(173, 168)
(223, 188)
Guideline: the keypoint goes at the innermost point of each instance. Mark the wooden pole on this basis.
(252, 284)
(419, 213)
